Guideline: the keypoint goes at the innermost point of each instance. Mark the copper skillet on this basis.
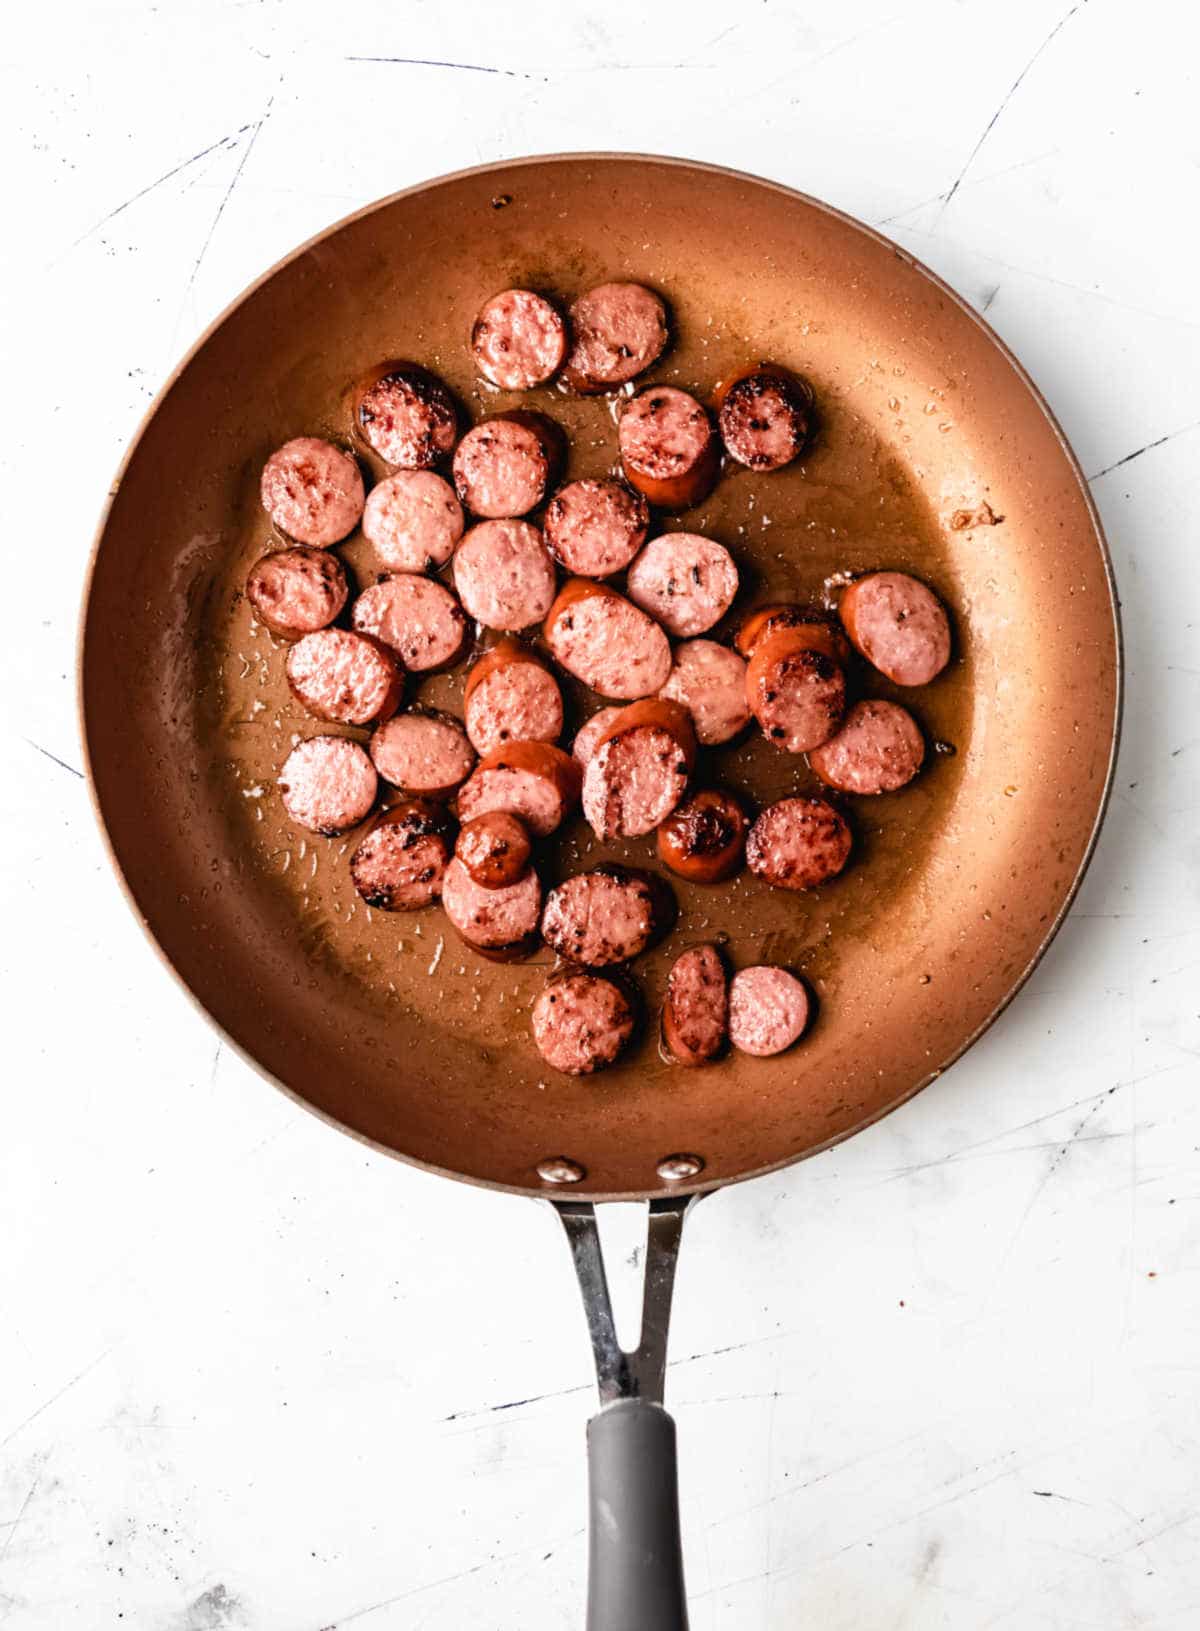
(936, 454)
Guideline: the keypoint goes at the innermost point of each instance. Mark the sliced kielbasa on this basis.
(328, 784)
(797, 843)
(704, 837)
(408, 416)
(511, 696)
(504, 575)
(346, 677)
(766, 417)
(297, 591)
(413, 521)
(768, 1010)
(795, 691)
(423, 752)
(639, 769)
(617, 331)
(400, 864)
(595, 528)
(810, 628)
(519, 340)
(899, 625)
(669, 450)
(590, 733)
(710, 681)
(495, 849)
(607, 915)
(414, 616)
(531, 780)
(878, 749)
(503, 466)
(606, 641)
(492, 920)
(312, 491)
(695, 1015)
(581, 1022)
(687, 582)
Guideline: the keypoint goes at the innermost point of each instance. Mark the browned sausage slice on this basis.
(581, 1022)
(766, 417)
(328, 784)
(899, 625)
(810, 628)
(695, 1016)
(687, 582)
(590, 733)
(595, 528)
(768, 1010)
(511, 696)
(704, 837)
(413, 521)
(297, 591)
(795, 691)
(408, 416)
(503, 467)
(345, 677)
(416, 617)
(519, 340)
(504, 575)
(495, 849)
(878, 749)
(607, 915)
(669, 450)
(531, 780)
(400, 864)
(312, 491)
(423, 752)
(492, 919)
(606, 641)
(618, 330)
(797, 843)
(639, 769)
(710, 681)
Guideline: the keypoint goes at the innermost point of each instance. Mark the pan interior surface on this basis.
(934, 455)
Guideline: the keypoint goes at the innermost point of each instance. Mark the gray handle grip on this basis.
(635, 1564)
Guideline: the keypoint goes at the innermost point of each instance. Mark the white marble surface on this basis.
(254, 1377)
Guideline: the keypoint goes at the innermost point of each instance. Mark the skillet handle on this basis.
(635, 1567)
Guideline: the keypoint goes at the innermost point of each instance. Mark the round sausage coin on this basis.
(581, 1022)
(495, 849)
(519, 340)
(595, 528)
(618, 330)
(768, 1010)
(766, 417)
(328, 784)
(408, 416)
(492, 919)
(504, 574)
(312, 491)
(400, 864)
(503, 467)
(423, 752)
(687, 582)
(695, 1016)
(899, 625)
(297, 591)
(797, 843)
(710, 681)
(345, 677)
(413, 521)
(607, 915)
(878, 750)
(414, 616)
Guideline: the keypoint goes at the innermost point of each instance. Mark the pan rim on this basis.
(698, 1186)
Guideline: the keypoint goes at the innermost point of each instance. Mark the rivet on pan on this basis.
(559, 1169)
(675, 1169)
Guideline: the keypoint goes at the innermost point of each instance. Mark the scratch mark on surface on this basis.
(1013, 89)
(1147, 448)
(456, 67)
(989, 298)
(54, 1398)
(168, 175)
(980, 181)
(228, 194)
(16, 1522)
(53, 757)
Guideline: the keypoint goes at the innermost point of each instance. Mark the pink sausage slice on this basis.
(423, 752)
(766, 417)
(511, 696)
(400, 864)
(687, 582)
(504, 575)
(899, 625)
(413, 521)
(710, 681)
(537, 783)
(669, 450)
(519, 340)
(503, 467)
(618, 330)
(796, 691)
(798, 843)
(328, 784)
(408, 416)
(639, 770)
(312, 491)
(581, 1023)
(416, 617)
(503, 919)
(595, 528)
(878, 750)
(345, 677)
(608, 915)
(606, 641)
(297, 591)
(768, 1010)
(695, 1016)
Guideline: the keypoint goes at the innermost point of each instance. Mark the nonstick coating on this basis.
(935, 454)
